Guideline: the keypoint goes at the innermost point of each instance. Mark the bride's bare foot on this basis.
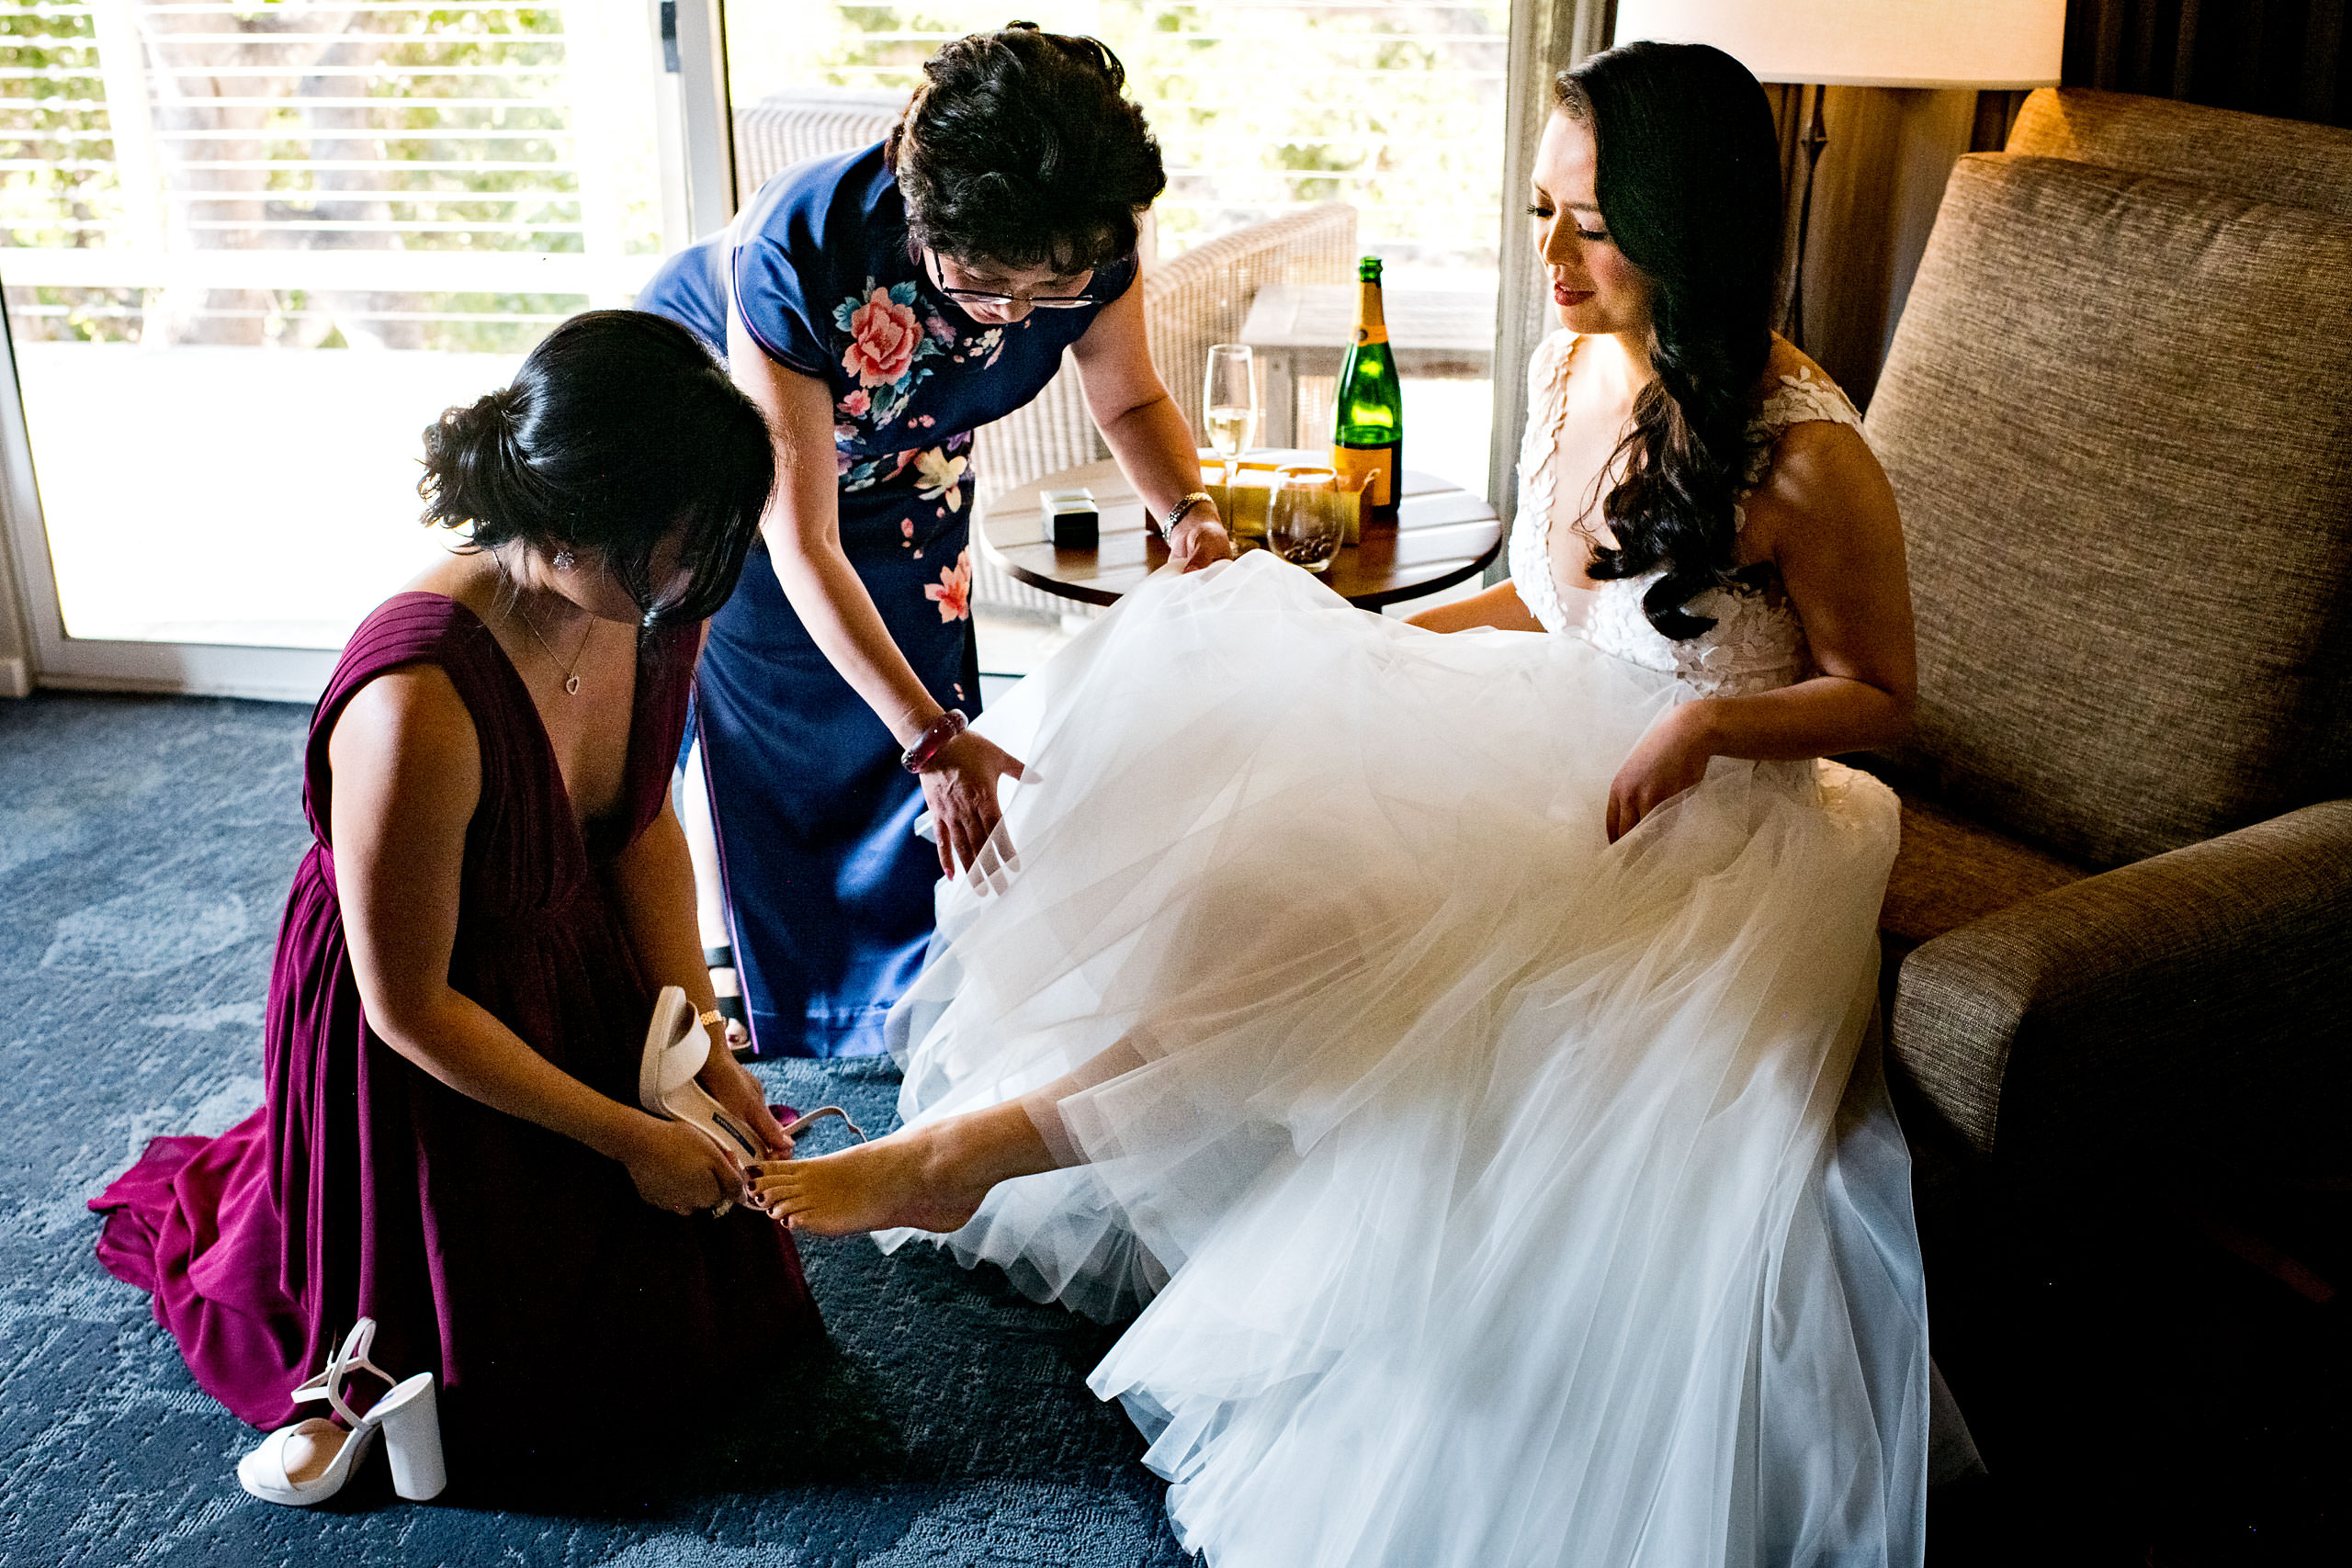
(930, 1178)
(893, 1181)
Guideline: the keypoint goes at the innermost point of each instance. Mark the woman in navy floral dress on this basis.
(881, 306)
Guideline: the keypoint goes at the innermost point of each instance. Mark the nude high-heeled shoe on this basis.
(309, 1462)
(675, 1049)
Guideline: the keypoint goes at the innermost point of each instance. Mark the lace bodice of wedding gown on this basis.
(1756, 643)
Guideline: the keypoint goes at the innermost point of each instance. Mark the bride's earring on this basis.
(564, 561)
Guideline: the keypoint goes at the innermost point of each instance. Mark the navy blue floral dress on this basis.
(830, 888)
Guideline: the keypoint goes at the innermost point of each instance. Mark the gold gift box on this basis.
(1244, 501)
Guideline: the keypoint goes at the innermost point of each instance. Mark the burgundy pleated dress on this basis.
(520, 1266)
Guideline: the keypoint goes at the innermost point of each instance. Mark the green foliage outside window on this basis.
(1260, 106)
(453, 163)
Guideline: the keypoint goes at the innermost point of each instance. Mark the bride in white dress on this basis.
(1453, 1039)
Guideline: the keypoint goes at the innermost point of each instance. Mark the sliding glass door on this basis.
(250, 249)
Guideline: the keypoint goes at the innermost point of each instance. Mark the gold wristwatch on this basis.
(1178, 513)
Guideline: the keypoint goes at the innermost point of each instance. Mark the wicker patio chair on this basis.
(1198, 298)
(784, 129)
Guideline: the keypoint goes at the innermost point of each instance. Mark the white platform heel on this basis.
(309, 1462)
(411, 1414)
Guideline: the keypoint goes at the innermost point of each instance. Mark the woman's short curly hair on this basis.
(1020, 148)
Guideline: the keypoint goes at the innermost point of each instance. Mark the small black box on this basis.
(1071, 520)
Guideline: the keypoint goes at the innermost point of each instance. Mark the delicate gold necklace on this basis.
(571, 681)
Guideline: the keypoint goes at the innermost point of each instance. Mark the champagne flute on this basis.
(1229, 399)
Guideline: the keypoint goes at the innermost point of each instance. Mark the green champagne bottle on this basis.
(1368, 439)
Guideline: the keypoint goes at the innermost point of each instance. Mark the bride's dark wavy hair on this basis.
(1687, 177)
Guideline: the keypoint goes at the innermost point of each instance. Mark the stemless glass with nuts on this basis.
(1229, 399)
(1305, 524)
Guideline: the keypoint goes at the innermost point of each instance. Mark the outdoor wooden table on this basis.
(1444, 535)
(1303, 329)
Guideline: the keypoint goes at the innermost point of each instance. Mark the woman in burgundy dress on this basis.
(470, 955)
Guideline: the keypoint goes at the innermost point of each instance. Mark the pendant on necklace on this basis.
(571, 685)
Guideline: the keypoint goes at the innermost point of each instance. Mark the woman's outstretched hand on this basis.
(960, 788)
(1198, 540)
(1669, 759)
(677, 1169)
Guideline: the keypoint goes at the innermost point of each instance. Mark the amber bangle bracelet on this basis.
(936, 734)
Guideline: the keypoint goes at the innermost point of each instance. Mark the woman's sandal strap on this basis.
(801, 1124)
(719, 957)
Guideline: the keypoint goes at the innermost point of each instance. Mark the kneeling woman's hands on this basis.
(1669, 759)
(677, 1168)
(739, 1094)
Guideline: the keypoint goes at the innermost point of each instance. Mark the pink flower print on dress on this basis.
(953, 591)
(883, 340)
(906, 527)
(857, 405)
(939, 331)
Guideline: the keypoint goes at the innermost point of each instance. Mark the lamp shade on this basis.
(1868, 43)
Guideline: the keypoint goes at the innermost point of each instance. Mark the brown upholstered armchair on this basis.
(2118, 415)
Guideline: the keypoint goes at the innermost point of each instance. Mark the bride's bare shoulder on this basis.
(1788, 359)
(1822, 478)
(1811, 411)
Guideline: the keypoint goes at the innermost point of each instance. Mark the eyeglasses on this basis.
(1001, 301)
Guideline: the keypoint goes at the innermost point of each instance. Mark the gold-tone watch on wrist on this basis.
(1183, 509)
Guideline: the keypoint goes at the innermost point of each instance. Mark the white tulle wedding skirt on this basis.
(1497, 1192)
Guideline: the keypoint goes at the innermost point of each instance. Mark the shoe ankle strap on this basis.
(346, 1358)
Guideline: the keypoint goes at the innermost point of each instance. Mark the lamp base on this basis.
(1815, 138)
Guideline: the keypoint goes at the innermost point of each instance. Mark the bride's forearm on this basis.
(1825, 716)
(1498, 606)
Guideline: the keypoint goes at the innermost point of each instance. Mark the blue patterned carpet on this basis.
(145, 846)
